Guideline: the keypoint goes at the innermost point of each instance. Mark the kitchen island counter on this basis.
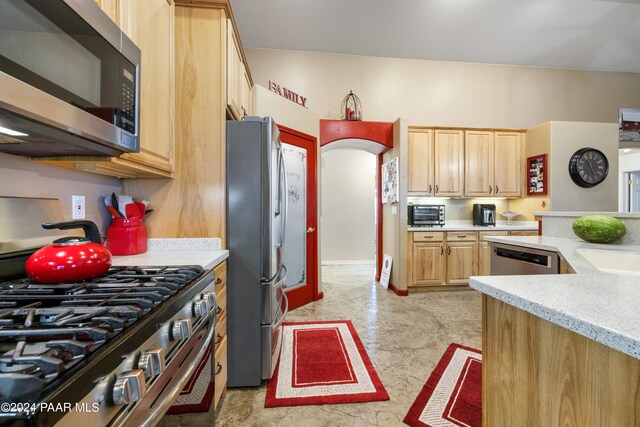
(597, 305)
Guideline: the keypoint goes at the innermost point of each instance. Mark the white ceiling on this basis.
(584, 34)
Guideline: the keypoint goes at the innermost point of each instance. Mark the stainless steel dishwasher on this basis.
(519, 260)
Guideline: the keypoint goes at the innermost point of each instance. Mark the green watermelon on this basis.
(599, 228)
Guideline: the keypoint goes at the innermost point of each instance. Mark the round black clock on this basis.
(588, 167)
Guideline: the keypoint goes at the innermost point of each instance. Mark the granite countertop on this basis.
(601, 306)
(468, 226)
(203, 252)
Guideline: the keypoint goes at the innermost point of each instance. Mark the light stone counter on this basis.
(203, 252)
(468, 226)
(603, 307)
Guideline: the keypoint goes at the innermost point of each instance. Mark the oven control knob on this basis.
(152, 362)
(210, 297)
(201, 308)
(129, 387)
(181, 329)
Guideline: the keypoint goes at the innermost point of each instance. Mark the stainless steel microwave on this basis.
(69, 80)
(426, 215)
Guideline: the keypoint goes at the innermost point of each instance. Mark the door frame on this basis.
(312, 214)
(374, 137)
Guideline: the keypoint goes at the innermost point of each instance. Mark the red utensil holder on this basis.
(127, 236)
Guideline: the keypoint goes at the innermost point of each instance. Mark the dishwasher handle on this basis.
(523, 256)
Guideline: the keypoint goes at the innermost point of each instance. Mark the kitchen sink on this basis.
(626, 263)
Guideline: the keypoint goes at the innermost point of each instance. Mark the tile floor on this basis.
(404, 337)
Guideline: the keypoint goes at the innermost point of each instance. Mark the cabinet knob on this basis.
(430, 188)
(218, 339)
(218, 280)
(218, 368)
(490, 189)
(181, 329)
(152, 362)
(129, 387)
(449, 250)
(436, 189)
(441, 250)
(496, 189)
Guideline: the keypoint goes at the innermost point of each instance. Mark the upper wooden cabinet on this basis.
(150, 24)
(449, 169)
(420, 162)
(238, 81)
(478, 163)
(493, 164)
(509, 164)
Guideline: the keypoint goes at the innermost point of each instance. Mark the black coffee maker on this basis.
(484, 214)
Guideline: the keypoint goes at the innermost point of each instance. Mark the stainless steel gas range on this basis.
(115, 350)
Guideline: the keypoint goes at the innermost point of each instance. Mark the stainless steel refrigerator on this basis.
(257, 210)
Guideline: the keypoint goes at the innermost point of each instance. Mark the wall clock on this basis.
(588, 167)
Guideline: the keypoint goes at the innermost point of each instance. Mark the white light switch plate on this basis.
(394, 210)
(78, 207)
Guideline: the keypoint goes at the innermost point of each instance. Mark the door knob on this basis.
(310, 230)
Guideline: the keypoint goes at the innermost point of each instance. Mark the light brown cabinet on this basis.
(493, 164)
(509, 164)
(478, 163)
(428, 263)
(420, 161)
(150, 24)
(462, 261)
(220, 339)
(437, 258)
(238, 81)
(449, 169)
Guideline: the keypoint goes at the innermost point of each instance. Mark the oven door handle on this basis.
(183, 376)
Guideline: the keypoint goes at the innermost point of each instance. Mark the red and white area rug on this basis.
(197, 394)
(323, 363)
(452, 396)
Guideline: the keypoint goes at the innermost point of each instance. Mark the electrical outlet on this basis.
(77, 207)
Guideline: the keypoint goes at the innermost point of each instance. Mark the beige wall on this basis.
(567, 138)
(20, 177)
(538, 142)
(348, 206)
(440, 93)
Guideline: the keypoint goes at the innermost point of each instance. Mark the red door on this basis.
(301, 239)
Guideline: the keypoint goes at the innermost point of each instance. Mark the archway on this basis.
(374, 137)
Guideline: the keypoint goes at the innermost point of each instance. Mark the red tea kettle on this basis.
(70, 259)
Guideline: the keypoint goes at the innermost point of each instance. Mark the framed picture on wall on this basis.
(390, 191)
(537, 178)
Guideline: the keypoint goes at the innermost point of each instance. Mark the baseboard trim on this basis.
(349, 262)
(399, 292)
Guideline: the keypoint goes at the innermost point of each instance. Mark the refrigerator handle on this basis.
(286, 201)
(279, 178)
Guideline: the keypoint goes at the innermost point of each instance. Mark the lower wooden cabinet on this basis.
(428, 266)
(462, 261)
(220, 333)
(437, 258)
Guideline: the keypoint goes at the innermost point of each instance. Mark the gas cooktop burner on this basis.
(45, 330)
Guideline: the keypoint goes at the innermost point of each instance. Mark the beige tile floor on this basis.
(404, 337)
